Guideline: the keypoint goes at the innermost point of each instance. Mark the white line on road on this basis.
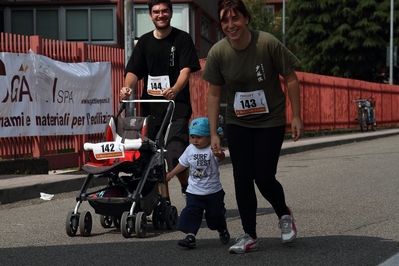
(392, 261)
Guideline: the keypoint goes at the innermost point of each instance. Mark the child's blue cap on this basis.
(200, 127)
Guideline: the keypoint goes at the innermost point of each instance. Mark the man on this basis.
(168, 55)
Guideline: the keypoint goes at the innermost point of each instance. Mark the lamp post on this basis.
(283, 35)
(129, 45)
(391, 48)
(128, 28)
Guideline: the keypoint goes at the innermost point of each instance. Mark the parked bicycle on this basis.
(366, 113)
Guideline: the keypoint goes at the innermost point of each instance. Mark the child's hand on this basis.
(217, 152)
(220, 155)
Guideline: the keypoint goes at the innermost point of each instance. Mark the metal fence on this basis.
(326, 102)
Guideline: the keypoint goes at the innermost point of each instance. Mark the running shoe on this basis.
(288, 228)
(244, 243)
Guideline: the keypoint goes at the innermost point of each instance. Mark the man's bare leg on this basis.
(163, 189)
(183, 178)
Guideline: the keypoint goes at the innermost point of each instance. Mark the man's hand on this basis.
(125, 92)
(170, 93)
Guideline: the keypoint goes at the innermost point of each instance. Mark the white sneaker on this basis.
(288, 228)
(243, 244)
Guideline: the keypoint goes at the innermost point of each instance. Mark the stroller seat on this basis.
(127, 141)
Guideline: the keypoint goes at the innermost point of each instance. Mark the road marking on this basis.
(392, 261)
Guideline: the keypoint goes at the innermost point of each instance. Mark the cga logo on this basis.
(19, 89)
(2, 68)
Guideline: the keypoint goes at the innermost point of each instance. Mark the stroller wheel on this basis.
(171, 217)
(126, 224)
(85, 223)
(157, 221)
(105, 221)
(117, 222)
(71, 223)
(141, 224)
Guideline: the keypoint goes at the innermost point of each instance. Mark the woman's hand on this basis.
(215, 146)
(296, 128)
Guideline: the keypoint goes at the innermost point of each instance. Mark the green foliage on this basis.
(344, 38)
(261, 19)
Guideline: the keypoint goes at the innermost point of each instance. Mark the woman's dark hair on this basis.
(152, 3)
(235, 5)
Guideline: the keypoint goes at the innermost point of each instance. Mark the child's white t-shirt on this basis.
(204, 170)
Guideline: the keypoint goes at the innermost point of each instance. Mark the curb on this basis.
(19, 193)
(339, 141)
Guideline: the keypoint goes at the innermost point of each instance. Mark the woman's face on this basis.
(234, 24)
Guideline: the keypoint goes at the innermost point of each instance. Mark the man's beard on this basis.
(162, 27)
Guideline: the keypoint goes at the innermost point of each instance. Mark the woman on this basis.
(249, 63)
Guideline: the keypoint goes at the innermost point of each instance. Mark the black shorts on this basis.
(178, 140)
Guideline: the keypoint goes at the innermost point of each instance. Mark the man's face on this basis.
(160, 16)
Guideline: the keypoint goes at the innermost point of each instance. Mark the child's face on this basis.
(200, 142)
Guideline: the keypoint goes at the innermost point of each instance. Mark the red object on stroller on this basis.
(131, 157)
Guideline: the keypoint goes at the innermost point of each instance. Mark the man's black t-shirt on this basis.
(160, 57)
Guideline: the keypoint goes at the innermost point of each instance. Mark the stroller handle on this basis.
(123, 104)
(166, 123)
(146, 100)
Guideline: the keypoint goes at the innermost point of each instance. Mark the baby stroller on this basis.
(131, 157)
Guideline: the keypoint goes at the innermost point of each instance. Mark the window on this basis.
(270, 9)
(21, 22)
(84, 23)
(47, 24)
(192, 24)
(219, 34)
(34, 22)
(91, 24)
(1, 20)
(101, 25)
(77, 28)
(205, 27)
(143, 23)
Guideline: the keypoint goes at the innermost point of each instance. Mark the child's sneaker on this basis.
(288, 228)
(224, 236)
(243, 244)
(188, 242)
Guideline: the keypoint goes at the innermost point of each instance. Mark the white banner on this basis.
(43, 97)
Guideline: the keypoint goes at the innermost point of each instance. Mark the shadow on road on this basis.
(325, 250)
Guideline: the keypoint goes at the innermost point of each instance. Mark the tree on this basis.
(261, 19)
(343, 38)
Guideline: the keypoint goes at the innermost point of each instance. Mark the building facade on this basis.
(101, 22)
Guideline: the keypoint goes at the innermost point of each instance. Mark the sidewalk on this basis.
(22, 187)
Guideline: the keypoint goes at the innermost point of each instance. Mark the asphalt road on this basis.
(344, 199)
